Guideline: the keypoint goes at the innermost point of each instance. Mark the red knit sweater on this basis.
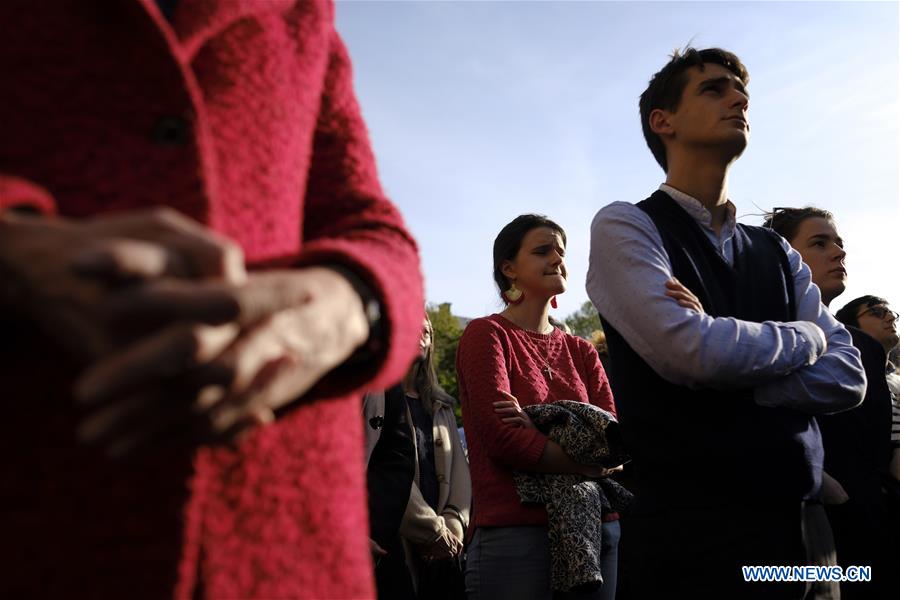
(496, 355)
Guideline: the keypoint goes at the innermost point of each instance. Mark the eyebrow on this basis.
(548, 245)
(824, 236)
(725, 80)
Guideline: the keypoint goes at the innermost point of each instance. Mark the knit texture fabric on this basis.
(575, 505)
(496, 355)
(241, 115)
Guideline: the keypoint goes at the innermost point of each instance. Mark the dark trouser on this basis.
(698, 553)
(392, 578)
(862, 538)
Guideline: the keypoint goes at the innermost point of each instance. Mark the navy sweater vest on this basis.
(706, 447)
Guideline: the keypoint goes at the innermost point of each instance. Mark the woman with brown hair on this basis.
(507, 361)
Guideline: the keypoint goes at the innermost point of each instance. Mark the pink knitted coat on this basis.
(240, 114)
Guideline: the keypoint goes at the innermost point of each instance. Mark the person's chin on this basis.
(736, 142)
(836, 288)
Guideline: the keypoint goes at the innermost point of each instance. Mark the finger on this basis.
(277, 383)
(165, 301)
(688, 300)
(211, 302)
(102, 424)
(280, 358)
(207, 253)
(254, 419)
(173, 351)
(118, 260)
(680, 294)
(136, 422)
(677, 287)
(508, 412)
(510, 396)
(691, 305)
(275, 291)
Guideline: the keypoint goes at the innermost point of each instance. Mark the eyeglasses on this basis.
(880, 312)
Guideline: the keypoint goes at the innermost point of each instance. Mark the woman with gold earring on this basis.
(506, 361)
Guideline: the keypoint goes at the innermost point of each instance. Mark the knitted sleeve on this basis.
(481, 363)
(16, 192)
(349, 222)
(599, 391)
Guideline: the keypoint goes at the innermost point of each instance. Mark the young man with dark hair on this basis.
(874, 316)
(857, 442)
(720, 352)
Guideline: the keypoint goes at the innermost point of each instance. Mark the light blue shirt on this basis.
(809, 365)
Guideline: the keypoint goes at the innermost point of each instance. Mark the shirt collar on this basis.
(699, 212)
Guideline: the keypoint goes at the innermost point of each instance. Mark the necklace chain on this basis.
(547, 370)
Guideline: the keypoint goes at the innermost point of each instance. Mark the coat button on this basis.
(439, 442)
(171, 131)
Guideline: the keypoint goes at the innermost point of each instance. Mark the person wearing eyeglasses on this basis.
(856, 442)
(870, 318)
(872, 315)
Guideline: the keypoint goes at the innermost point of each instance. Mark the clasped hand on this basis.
(447, 545)
(178, 338)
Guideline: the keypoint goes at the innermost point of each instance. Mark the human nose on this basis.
(841, 254)
(739, 99)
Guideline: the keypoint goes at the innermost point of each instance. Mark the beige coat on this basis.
(421, 525)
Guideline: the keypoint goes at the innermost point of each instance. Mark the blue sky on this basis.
(481, 111)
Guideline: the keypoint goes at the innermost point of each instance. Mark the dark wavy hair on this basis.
(667, 86)
(509, 241)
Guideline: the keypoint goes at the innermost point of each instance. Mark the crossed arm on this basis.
(809, 364)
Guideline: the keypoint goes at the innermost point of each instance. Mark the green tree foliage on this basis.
(584, 321)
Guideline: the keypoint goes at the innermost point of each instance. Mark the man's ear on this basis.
(661, 122)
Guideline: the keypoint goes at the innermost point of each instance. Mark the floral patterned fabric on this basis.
(575, 504)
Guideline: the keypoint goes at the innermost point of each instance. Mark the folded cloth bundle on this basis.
(575, 504)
